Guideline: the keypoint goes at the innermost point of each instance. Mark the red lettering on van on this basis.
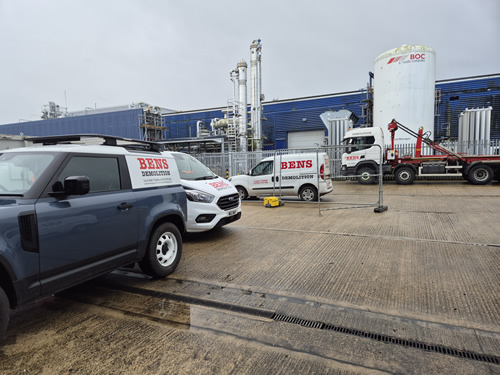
(158, 164)
(150, 163)
(142, 163)
(296, 164)
(218, 184)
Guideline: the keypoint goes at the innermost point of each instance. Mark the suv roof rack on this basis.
(107, 140)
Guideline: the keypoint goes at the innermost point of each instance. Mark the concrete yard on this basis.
(413, 290)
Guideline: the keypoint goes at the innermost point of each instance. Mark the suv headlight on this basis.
(199, 196)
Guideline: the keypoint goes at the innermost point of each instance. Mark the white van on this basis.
(296, 175)
(211, 200)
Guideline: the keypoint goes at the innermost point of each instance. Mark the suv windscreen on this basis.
(191, 169)
(19, 171)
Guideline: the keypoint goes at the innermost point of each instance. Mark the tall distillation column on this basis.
(242, 99)
(256, 92)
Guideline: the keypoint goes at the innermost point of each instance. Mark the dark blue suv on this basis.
(72, 212)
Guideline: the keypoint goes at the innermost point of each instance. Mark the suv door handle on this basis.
(125, 206)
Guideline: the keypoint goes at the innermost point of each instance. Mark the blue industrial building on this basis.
(280, 117)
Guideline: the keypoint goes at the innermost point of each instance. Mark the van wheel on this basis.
(4, 313)
(308, 193)
(242, 192)
(480, 174)
(164, 251)
(366, 176)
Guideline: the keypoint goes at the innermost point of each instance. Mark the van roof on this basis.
(295, 156)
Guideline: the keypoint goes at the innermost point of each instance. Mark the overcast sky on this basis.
(178, 54)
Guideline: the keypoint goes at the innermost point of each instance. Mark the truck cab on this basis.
(364, 154)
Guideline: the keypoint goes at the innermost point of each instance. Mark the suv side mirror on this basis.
(76, 185)
(73, 185)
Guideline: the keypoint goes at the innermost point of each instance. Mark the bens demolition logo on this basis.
(406, 59)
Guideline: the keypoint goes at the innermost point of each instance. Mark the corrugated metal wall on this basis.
(183, 125)
(301, 115)
(457, 95)
(280, 117)
(121, 124)
(283, 116)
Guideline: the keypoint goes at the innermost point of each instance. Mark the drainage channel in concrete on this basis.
(173, 299)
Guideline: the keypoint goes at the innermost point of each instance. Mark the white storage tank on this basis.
(404, 89)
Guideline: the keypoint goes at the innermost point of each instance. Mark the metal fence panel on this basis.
(237, 163)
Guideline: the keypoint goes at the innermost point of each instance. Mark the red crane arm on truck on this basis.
(394, 125)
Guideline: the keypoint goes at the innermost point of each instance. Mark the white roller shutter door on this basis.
(306, 139)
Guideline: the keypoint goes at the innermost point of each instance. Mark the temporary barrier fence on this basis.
(236, 163)
(231, 164)
(335, 166)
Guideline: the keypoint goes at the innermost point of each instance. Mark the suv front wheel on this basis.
(164, 251)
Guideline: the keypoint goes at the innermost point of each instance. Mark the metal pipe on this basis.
(242, 101)
(256, 92)
(198, 128)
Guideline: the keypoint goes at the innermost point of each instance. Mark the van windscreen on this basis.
(192, 169)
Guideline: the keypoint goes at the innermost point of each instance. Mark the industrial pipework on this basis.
(256, 92)
(243, 116)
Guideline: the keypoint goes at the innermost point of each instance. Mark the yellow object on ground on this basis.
(271, 202)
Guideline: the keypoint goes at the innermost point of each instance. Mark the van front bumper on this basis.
(228, 220)
(203, 217)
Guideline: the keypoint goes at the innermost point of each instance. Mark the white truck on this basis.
(366, 156)
(305, 175)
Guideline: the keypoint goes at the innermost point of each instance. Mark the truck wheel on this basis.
(366, 176)
(404, 176)
(308, 193)
(242, 192)
(4, 313)
(164, 251)
(480, 174)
